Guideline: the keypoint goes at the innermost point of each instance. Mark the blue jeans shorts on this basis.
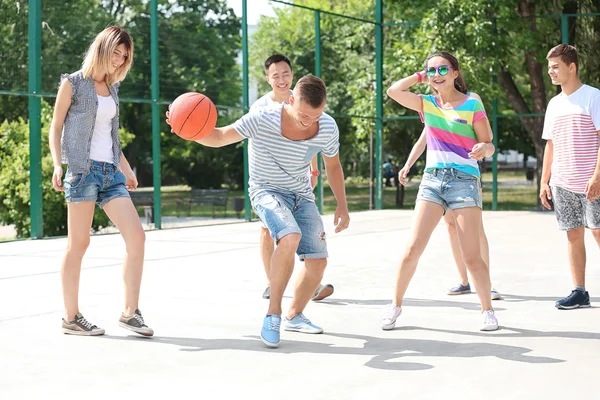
(284, 213)
(450, 188)
(102, 183)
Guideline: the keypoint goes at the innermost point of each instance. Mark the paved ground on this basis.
(202, 295)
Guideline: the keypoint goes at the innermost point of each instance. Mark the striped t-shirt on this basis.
(277, 162)
(450, 134)
(572, 123)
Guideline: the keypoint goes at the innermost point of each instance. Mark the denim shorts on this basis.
(450, 188)
(285, 213)
(102, 183)
(573, 210)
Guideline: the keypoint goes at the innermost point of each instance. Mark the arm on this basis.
(415, 153)
(220, 137)
(545, 192)
(484, 134)
(592, 189)
(314, 166)
(335, 175)
(61, 107)
(131, 181)
(399, 92)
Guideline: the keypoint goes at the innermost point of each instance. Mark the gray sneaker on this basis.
(322, 292)
(135, 323)
(81, 326)
(267, 293)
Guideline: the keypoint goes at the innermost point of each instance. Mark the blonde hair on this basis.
(98, 57)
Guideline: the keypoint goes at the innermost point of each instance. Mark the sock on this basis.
(580, 288)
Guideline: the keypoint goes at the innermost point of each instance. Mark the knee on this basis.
(290, 241)
(451, 226)
(316, 265)
(596, 234)
(78, 245)
(265, 235)
(136, 241)
(413, 252)
(473, 261)
(578, 235)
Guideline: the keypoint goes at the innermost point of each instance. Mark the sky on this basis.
(256, 8)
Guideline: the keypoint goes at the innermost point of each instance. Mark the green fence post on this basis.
(246, 95)
(495, 156)
(564, 28)
(35, 116)
(378, 103)
(318, 73)
(155, 114)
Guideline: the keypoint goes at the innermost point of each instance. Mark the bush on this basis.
(15, 184)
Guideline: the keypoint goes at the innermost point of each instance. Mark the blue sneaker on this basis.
(301, 324)
(460, 289)
(269, 333)
(577, 299)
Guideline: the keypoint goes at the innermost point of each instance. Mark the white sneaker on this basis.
(490, 323)
(390, 314)
(495, 295)
(301, 324)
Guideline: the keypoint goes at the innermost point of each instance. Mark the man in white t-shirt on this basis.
(279, 75)
(571, 172)
(285, 138)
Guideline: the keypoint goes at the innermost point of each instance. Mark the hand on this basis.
(402, 174)
(545, 195)
(57, 178)
(131, 182)
(341, 219)
(592, 188)
(168, 114)
(478, 151)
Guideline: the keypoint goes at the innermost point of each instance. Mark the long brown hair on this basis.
(459, 82)
(99, 54)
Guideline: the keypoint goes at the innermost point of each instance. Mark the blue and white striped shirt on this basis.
(277, 162)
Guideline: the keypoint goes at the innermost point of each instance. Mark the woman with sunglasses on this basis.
(458, 134)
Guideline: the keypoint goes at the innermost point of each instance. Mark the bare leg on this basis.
(267, 247)
(458, 258)
(79, 219)
(596, 234)
(468, 224)
(427, 216)
(306, 284)
(123, 214)
(282, 266)
(577, 256)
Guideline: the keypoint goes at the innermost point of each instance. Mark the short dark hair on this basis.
(275, 58)
(311, 90)
(567, 54)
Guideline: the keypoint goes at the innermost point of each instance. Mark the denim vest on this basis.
(79, 124)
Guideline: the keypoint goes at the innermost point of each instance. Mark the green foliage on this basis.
(15, 184)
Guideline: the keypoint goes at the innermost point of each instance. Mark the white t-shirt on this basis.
(101, 147)
(277, 162)
(264, 101)
(572, 123)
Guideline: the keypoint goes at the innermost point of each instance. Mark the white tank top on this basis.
(102, 146)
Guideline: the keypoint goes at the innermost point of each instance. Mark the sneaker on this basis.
(490, 322)
(388, 319)
(269, 333)
(460, 289)
(577, 299)
(267, 293)
(301, 324)
(135, 323)
(495, 295)
(81, 326)
(322, 292)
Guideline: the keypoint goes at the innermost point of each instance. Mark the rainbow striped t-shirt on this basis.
(450, 134)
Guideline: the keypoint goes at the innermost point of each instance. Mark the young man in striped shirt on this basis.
(285, 138)
(571, 172)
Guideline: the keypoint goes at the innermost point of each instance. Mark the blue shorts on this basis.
(450, 188)
(102, 183)
(284, 213)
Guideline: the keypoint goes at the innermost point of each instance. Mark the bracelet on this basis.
(419, 76)
(316, 172)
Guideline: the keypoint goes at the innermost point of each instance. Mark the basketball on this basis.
(192, 116)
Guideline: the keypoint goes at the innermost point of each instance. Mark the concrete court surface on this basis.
(202, 295)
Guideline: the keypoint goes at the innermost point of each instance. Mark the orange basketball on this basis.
(192, 116)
